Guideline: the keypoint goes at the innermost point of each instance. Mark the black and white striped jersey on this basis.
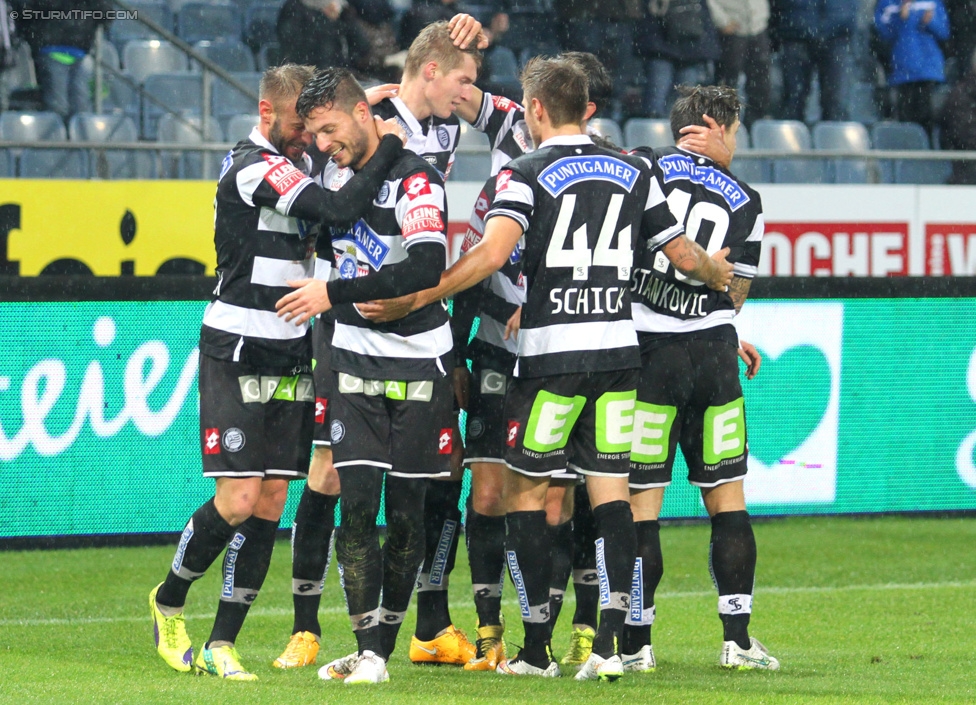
(434, 139)
(260, 246)
(584, 210)
(410, 209)
(497, 297)
(717, 210)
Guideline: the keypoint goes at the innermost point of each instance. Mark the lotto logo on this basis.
(211, 441)
(513, 429)
(501, 183)
(445, 442)
(416, 185)
(321, 406)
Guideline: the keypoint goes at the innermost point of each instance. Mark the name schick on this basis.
(677, 166)
(368, 243)
(561, 174)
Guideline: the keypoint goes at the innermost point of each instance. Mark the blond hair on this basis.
(434, 43)
(281, 84)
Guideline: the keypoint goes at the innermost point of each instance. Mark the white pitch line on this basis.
(281, 612)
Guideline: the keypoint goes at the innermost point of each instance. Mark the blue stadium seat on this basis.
(144, 57)
(471, 166)
(787, 135)
(227, 101)
(907, 136)
(644, 132)
(169, 91)
(112, 163)
(5, 169)
(260, 23)
(185, 129)
(752, 171)
(32, 127)
(228, 54)
(39, 163)
(240, 126)
(198, 21)
(123, 31)
(122, 97)
(471, 140)
(607, 129)
(847, 137)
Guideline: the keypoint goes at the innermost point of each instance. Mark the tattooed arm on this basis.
(739, 290)
(690, 259)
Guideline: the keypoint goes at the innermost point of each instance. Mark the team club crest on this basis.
(337, 431)
(443, 137)
(233, 440)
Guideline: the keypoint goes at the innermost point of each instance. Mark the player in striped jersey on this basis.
(391, 414)
(689, 392)
(255, 370)
(577, 355)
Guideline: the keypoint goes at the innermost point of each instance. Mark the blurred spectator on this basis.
(59, 47)
(814, 35)
(6, 37)
(322, 33)
(677, 40)
(376, 19)
(604, 28)
(913, 31)
(959, 125)
(962, 42)
(745, 49)
(423, 13)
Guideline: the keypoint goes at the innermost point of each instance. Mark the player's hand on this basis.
(462, 383)
(381, 92)
(390, 127)
(708, 141)
(721, 271)
(465, 29)
(750, 356)
(310, 298)
(513, 325)
(387, 310)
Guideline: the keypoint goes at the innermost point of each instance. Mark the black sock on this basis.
(585, 583)
(561, 540)
(486, 554)
(530, 564)
(403, 552)
(358, 551)
(616, 547)
(245, 567)
(442, 529)
(310, 534)
(732, 561)
(648, 569)
(204, 538)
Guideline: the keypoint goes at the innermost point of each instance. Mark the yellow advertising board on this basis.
(108, 227)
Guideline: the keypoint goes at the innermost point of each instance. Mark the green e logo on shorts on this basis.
(724, 432)
(551, 420)
(652, 433)
(615, 421)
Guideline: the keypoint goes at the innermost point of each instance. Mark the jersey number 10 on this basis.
(702, 211)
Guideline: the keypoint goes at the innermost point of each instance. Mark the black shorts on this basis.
(486, 430)
(689, 394)
(255, 422)
(322, 332)
(579, 422)
(406, 428)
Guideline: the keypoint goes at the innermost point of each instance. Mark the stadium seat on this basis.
(198, 21)
(32, 127)
(240, 126)
(269, 55)
(752, 171)
(185, 129)
(792, 136)
(5, 159)
(53, 164)
(122, 96)
(227, 101)
(260, 23)
(643, 132)
(907, 136)
(607, 129)
(21, 74)
(145, 57)
(472, 140)
(228, 54)
(471, 166)
(846, 137)
(110, 57)
(123, 31)
(169, 92)
(112, 163)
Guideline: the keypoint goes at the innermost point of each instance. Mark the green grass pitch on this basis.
(857, 610)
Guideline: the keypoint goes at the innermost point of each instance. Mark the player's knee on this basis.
(487, 499)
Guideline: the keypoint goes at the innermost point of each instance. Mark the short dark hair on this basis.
(560, 85)
(720, 103)
(599, 83)
(330, 88)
